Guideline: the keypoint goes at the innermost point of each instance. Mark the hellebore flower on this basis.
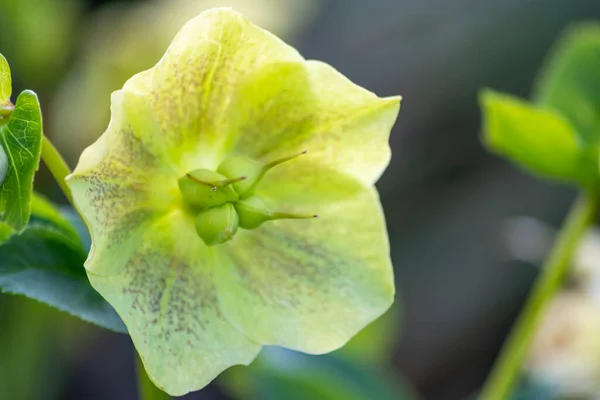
(189, 193)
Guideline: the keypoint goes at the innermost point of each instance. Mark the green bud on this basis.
(3, 165)
(205, 189)
(253, 170)
(253, 212)
(217, 225)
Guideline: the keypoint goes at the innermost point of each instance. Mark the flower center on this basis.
(224, 200)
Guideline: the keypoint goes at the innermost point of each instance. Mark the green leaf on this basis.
(44, 212)
(45, 262)
(283, 374)
(28, 350)
(5, 231)
(536, 139)
(375, 344)
(74, 220)
(5, 110)
(21, 138)
(5, 80)
(570, 82)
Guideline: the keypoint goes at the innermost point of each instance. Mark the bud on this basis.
(253, 170)
(3, 165)
(253, 212)
(217, 225)
(204, 189)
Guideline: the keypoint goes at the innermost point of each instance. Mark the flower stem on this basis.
(146, 389)
(57, 166)
(503, 377)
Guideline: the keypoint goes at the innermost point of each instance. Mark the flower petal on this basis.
(288, 107)
(191, 87)
(166, 296)
(147, 260)
(310, 285)
(121, 184)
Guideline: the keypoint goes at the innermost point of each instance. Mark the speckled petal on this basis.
(288, 107)
(121, 185)
(190, 89)
(166, 296)
(146, 258)
(309, 285)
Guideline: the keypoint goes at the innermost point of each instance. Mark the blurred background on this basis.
(463, 260)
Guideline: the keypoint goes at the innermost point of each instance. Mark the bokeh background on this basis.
(447, 201)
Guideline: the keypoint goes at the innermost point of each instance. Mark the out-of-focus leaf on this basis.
(21, 139)
(45, 262)
(570, 82)
(75, 222)
(28, 350)
(5, 110)
(374, 345)
(5, 231)
(284, 374)
(44, 212)
(536, 139)
(38, 36)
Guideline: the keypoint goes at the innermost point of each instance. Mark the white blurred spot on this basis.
(565, 352)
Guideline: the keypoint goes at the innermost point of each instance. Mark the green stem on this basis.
(146, 389)
(503, 377)
(57, 166)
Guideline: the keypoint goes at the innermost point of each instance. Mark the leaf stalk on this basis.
(57, 166)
